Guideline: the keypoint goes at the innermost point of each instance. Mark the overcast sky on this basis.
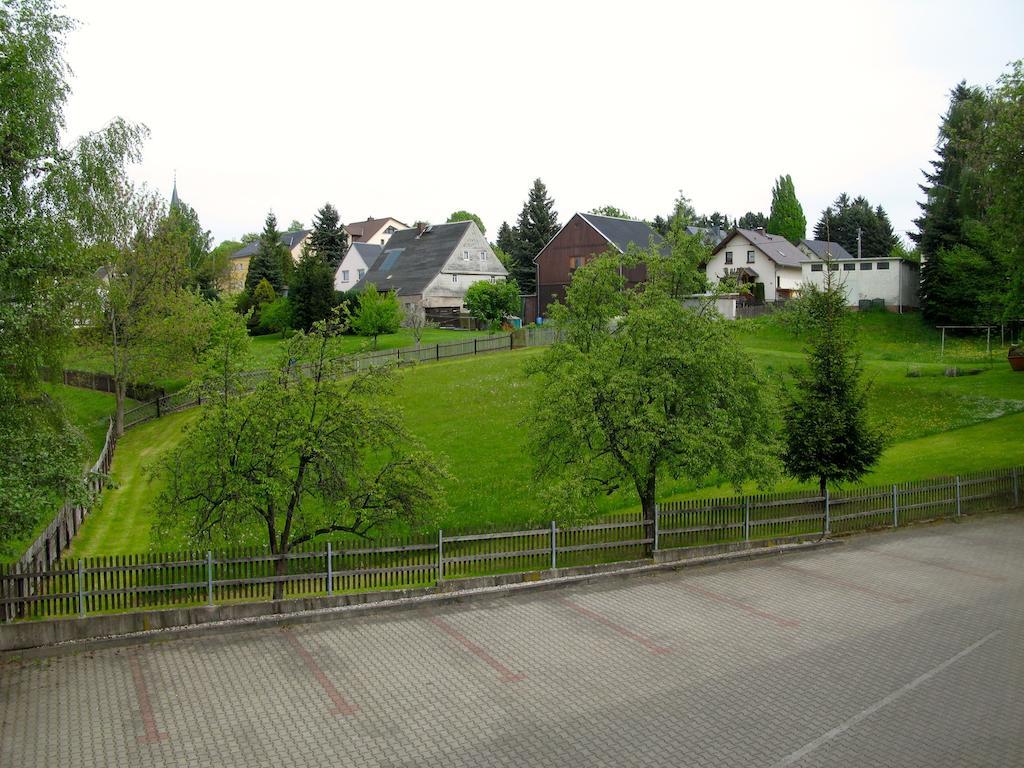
(417, 109)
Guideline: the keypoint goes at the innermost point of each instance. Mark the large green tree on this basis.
(52, 229)
(536, 225)
(267, 263)
(315, 450)
(311, 292)
(329, 240)
(786, 217)
(639, 388)
(200, 273)
(493, 302)
(610, 210)
(376, 313)
(828, 435)
(845, 218)
(752, 220)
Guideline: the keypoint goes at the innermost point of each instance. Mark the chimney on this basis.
(760, 231)
(420, 226)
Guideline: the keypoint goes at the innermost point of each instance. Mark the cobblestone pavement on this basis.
(902, 648)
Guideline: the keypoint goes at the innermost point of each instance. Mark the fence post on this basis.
(1016, 487)
(958, 495)
(209, 577)
(158, 408)
(828, 521)
(81, 589)
(474, 346)
(746, 518)
(895, 512)
(554, 546)
(440, 555)
(437, 351)
(657, 527)
(330, 572)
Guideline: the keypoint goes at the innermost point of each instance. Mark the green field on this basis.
(472, 410)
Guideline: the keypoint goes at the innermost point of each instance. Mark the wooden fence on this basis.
(41, 589)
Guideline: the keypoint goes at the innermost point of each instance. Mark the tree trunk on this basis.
(822, 485)
(280, 569)
(119, 396)
(648, 502)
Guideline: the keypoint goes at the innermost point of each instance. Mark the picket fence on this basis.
(160, 580)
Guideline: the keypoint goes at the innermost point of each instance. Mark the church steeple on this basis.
(174, 192)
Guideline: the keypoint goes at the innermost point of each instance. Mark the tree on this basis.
(52, 224)
(312, 290)
(315, 450)
(827, 434)
(610, 210)
(329, 240)
(843, 220)
(415, 320)
(376, 313)
(151, 325)
(267, 262)
(641, 387)
(537, 224)
(220, 264)
(751, 220)
(467, 216)
(199, 269)
(295, 225)
(491, 303)
(786, 217)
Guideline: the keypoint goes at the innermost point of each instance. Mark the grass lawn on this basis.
(472, 411)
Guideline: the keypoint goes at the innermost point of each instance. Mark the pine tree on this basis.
(267, 262)
(537, 224)
(828, 437)
(506, 238)
(787, 215)
(751, 220)
(841, 222)
(311, 290)
(328, 238)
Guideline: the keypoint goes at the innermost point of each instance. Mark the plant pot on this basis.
(1016, 358)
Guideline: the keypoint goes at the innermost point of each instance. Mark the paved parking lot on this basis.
(899, 648)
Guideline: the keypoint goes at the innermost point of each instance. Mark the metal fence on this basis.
(157, 580)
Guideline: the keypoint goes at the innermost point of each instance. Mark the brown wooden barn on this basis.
(583, 237)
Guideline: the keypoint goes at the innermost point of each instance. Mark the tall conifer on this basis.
(787, 215)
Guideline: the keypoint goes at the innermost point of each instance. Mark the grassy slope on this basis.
(472, 410)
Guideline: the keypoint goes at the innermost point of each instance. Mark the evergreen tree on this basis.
(828, 437)
(537, 224)
(787, 215)
(751, 220)
(312, 290)
(841, 222)
(328, 238)
(506, 238)
(267, 263)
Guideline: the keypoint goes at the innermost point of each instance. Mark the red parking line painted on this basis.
(152, 734)
(341, 707)
(933, 564)
(506, 675)
(847, 584)
(731, 601)
(605, 621)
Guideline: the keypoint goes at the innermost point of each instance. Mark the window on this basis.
(577, 262)
(360, 272)
(849, 267)
(483, 256)
(883, 265)
(728, 257)
(865, 265)
(817, 267)
(455, 278)
(833, 267)
(390, 231)
(344, 275)
(750, 257)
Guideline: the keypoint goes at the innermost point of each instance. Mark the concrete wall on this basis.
(725, 304)
(862, 279)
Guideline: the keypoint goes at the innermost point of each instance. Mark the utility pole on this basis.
(858, 242)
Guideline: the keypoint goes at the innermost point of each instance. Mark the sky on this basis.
(415, 110)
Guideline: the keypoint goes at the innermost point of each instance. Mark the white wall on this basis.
(352, 263)
(738, 245)
(872, 283)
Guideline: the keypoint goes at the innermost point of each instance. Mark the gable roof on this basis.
(713, 235)
(622, 232)
(288, 239)
(360, 230)
(822, 247)
(367, 251)
(412, 259)
(775, 247)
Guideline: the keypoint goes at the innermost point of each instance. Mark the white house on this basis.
(433, 266)
(894, 281)
(375, 231)
(754, 256)
(357, 262)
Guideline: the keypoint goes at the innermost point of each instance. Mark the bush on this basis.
(277, 316)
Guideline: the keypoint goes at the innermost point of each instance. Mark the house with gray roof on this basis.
(583, 237)
(357, 262)
(432, 266)
(752, 256)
